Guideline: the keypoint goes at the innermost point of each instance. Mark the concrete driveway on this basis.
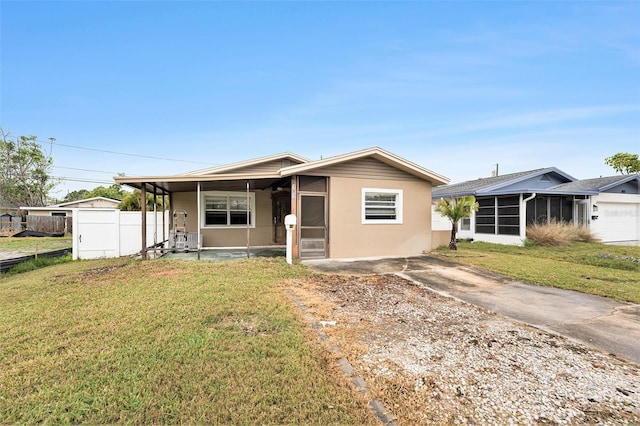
(613, 327)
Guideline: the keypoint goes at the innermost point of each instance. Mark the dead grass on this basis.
(120, 341)
(558, 233)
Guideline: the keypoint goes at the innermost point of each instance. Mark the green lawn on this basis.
(31, 245)
(164, 341)
(605, 270)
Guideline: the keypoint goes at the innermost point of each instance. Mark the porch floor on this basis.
(220, 254)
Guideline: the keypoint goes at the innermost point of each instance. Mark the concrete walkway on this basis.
(610, 326)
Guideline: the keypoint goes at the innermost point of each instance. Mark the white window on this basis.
(227, 209)
(465, 224)
(381, 205)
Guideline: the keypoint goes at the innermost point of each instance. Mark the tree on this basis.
(456, 209)
(25, 178)
(114, 191)
(131, 201)
(80, 194)
(624, 163)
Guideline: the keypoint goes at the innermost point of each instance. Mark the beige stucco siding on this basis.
(349, 237)
(229, 237)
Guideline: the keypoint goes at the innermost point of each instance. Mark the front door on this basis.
(313, 227)
(281, 202)
(582, 212)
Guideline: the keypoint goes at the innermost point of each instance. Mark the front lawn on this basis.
(164, 341)
(604, 270)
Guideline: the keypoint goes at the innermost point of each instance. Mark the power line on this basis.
(52, 142)
(86, 170)
(128, 154)
(72, 179)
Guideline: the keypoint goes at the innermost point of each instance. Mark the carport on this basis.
(169, 187)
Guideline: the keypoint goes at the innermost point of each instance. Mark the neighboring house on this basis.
(362, 204)
(66, 209)
(608, 206)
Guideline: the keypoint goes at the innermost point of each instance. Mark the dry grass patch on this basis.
(114, 341)
(558, 233)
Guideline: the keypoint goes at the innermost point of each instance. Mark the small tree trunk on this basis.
(454, 231)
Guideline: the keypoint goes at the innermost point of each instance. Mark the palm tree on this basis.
(455, 209)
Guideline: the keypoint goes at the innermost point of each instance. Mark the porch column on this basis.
(523, 214)
(155, 219)
(164, 224)
(294, 210)
(248, 218)
(143, 210)
(199, 222)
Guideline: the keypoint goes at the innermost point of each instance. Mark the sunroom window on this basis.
(381, 206)
(228, 209)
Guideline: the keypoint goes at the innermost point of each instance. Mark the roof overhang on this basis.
(183, 183)
(228, 168)
(47, 209)
(216, 180)
(521, 191)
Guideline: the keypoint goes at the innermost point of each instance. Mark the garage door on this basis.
(616, 222)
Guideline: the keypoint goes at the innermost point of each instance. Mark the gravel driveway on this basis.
(434, 359)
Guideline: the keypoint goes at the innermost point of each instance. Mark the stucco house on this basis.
(361, 204)
(608, 206)
(66, 209)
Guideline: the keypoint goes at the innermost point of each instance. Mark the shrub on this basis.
(557, 233)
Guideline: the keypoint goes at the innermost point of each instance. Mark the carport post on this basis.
(164, 224)
(248, 218)
(155, 221)
(199, 222)
(143, 210)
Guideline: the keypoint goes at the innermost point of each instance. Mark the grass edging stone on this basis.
(382, 414)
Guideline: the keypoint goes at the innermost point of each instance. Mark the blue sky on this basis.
(453, 86)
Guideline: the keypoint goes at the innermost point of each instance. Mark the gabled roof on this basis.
(65, 206)
(230, 168)
(84, 201)
(376, 153)
(597, 184)
(261, 174)
(494, 184)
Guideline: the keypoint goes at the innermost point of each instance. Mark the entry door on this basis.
(281, 207)
(582, 211)
(313, 227)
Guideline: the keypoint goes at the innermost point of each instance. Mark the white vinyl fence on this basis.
(102, 233)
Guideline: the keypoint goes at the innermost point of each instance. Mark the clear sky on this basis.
(453, 86)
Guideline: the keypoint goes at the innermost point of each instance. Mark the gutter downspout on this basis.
(523, 216)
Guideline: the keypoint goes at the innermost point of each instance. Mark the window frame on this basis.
(398, 206)
(228, 195)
